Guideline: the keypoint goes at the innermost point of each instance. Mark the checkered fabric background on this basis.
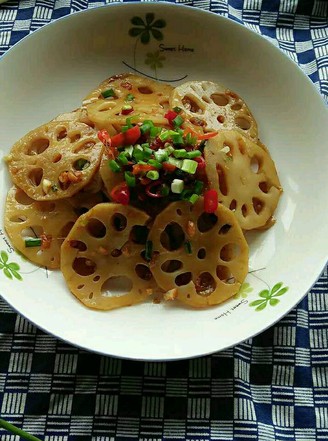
(272, 387)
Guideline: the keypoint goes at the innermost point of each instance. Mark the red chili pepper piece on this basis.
(170, 115)
(170, 168)
(201, 163)
(126, 111)
(104, 137)
(154, 184)
(140, 169)
(121, 194)
(132, 135)
(211, 201)
(117, 140)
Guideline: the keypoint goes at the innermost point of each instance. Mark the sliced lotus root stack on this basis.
(150, 101)
(77, 115)
(245, 177)
(210, 106)
(55, 160)
(109, 178)
(27, 219)
(102, 257)
(200, 259)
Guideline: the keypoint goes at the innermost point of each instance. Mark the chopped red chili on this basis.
(121, 194)
(210, 201)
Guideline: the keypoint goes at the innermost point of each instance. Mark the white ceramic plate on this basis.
(50, 71)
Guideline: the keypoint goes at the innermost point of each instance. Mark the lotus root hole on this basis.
(18, 219)
(22, 198)
(191, 105)
(205, 284)
(56, 158)
(61, 134)
(264, 187)
(84, 146)
(206, 222)
(173, 237)
(242, 147)
(179, 212)
(83, 266)
(143, 272)
(78, 245)
(96, 228)
(35, 176)
(80, 286)
(75, 136)
(116, 286)
(258, 205)
(170, 266)
(236, 106)
(139, 234)
(201, 253)
(244, 210)
(45, 206)
(206, 99)
(145, 90)
(223, 273)
(119, 222)
(233, 205)
(183, 279)
(32, 231)
(220, 119)
(243, 122)
(222, 180)
(220, 99)
(116, 252)
(255, 164)
(66, 229)
(225, 229)
(96, 279)
(38, 146)
(90, 295)
(229, 252)
(197, 122)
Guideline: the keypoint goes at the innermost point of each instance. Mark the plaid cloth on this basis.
(272, 387)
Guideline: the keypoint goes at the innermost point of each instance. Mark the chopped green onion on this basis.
(130, 179)
(145, 128)
(198, 187)
(194, 198)
(189, 166)
(108, 93)
(165, 190)
(161, 155)
(148, 151)
(169, 149)
(186, 194)
(154, 131)
(155, 163)
(177, 138)
(122, 158)
(153, 175)
(178, 120)
(129, 97)
(187, 246)
(145, 145)
(194, 154)
(114, 166)
(148, 250)
(82, 164)
(177, 109)
(129, 151)
(190, 140)
(150, 122)
(176, 162)
(32, 242)
(177, 186)
(180, 153)
(138, 153)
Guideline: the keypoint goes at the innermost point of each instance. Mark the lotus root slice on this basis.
(200, 259)
(245, 177)
(103, 253)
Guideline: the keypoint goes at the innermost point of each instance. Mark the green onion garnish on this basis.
(138, 153)
(198, 187)
(177, 109)
(108, 93)
(177, 138)
(114, 166)
(145, 128)
(180, 153)
(177, 186)
(149, 250)
(145, 145)
(155, 163)
(129, 151)
(178, 120)
(130, 179)
(153, 175)
(148, 152)
(190, 140)
(194, 154)
(154, 131)
(194, 198)
(161, 155)
(129, 97)
(189, 166)
(187, 246)
(169, 149)
(165, 190)
(186, 195)
(32, 242)
(81, 164)
(176, 162)
(122, 158)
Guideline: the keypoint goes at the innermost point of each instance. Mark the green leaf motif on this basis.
(13, 266)
(137, 21)
(145, 29)
(7, 273)
(281, 292)
(265, 294)
(257, 302)
(276, 287)
(261, 307)
(268, 297)
(134, 32)
(157, 34)
(4, 257)
(145, 37)
(274, 302)
(9, 269)
(149, 18)
(159, 24)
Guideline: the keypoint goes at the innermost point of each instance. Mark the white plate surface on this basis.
(50, 72)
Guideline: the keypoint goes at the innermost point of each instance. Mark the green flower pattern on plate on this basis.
(147, 29)
(154, 60)
(10, 269)
(269, 297)
(244, 290)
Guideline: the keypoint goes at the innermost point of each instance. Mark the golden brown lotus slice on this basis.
(55, 160)
(201, 259)
(150, 101)
(27, 219)
(102, 257)
(109, 178)
(210, 106)
(77, 115)
(245, 177)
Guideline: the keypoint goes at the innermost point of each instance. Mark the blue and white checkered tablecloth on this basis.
(272, 387)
